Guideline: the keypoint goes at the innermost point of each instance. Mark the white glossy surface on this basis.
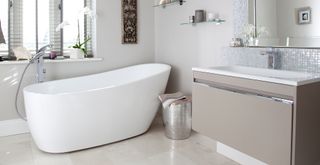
(152, 148)
(78, 113)
(269, 75)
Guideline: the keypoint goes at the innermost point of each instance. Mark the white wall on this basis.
(108, 46)
(267, 12)
(288, 26)
(287, 13)
(189, 46)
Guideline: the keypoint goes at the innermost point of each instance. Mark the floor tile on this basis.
(151, 148)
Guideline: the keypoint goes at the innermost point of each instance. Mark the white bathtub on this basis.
(84, 112)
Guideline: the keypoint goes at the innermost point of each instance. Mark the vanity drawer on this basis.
(258, 126)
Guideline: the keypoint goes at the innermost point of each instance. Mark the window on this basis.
(70, 35)
(33, 23)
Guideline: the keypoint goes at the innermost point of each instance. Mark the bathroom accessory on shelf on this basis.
(191, 19)
(200, 17)
(164, 3)
(211, 17)
(53, 55)
(215, 21)
(236, 42)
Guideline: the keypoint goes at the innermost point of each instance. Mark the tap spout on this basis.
(273, 58)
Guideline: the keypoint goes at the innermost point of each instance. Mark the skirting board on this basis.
(13, 127)
(236, 155)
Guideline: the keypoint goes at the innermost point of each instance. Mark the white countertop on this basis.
(269, 75)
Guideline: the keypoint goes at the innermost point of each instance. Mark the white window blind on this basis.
(55, 18)
(4, 26)
(15, 24)
(32, 24)
(88, 28)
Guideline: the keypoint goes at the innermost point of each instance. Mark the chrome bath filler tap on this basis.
(38, 59)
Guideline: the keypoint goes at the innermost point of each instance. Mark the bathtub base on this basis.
(57, 148)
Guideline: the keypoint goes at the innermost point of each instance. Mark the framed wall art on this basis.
(129, 22)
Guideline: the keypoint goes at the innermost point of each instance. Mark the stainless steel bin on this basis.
(177, 119)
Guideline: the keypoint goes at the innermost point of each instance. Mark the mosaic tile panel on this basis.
(304, 60)
(240, 16)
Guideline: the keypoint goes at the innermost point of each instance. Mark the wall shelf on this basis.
(216, 21)
(181, 2)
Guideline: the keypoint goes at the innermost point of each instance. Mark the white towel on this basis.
(2, 40)
(22, 53)
(168, 99)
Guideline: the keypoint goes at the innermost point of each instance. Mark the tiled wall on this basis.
(306, 60)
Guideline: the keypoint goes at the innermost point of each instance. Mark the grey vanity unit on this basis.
(273, 116)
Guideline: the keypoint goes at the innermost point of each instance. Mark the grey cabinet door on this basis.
(257, 126)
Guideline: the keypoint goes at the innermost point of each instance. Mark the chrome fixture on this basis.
(38, 58)
(273, 58)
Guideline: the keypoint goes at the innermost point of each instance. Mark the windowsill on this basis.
(53, 61)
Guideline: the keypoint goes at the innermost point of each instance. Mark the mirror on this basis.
(283, 23)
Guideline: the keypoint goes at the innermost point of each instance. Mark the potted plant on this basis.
(78, 50)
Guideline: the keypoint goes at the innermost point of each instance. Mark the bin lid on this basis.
(188, 99)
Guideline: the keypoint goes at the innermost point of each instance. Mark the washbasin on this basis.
(262, 74)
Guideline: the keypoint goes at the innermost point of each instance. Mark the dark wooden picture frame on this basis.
(129, 22)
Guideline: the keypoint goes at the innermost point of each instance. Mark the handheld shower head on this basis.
(44, 48)
(40, 53)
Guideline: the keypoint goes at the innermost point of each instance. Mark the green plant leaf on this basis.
(84, 51)
(88, 39)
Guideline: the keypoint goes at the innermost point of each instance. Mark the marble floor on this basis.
(151, 148)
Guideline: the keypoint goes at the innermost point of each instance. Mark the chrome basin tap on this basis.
(38, 58)
(273, 58)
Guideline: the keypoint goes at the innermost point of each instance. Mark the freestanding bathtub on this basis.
(84, 112)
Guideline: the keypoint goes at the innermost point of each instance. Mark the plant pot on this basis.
(76, 54)
(251, 41)
(256, 42)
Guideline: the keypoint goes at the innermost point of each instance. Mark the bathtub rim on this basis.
(30, 91)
